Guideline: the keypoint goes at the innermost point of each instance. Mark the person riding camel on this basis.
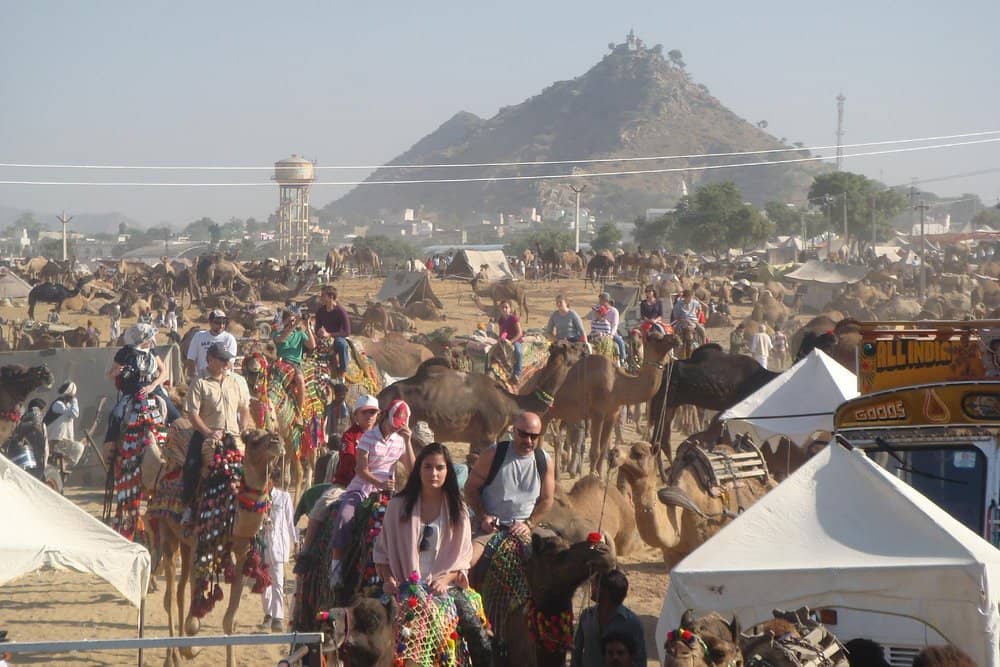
(138, 373)
(509, 326)
(333, 323)
(378, 451)
(512, 485)
(196, 363)
(650, 310)
(217, 405)
(685, 314)
(291, 342)
(565, 324)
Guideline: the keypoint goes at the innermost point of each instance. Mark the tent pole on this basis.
(142, 625)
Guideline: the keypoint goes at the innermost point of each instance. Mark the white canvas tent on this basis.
(795, 404)
(841, 531)
(44, 529)
(12, 286)
(407, 287)
(466, 264)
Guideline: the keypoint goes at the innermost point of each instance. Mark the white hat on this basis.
(366, 402)
(68, 389)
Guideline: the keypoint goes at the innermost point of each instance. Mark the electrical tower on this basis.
(840, 131)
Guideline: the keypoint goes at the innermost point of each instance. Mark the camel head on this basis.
(254, 369)
(636, 462)
(705, 642)
(362, 633)
(17, 382)
(262, 447)
(659, 341)
(565, 354)
(556, 568)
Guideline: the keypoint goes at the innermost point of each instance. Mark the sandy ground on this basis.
(66, 605)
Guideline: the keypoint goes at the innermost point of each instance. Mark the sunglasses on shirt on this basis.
(425, 538)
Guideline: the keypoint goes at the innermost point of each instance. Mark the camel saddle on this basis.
(717, 470)
(814, 647)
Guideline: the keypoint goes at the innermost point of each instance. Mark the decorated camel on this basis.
(505, 290)
(705, 490)
(711, 379)
(394, 355)
(595, 390)
(16, 384)
(709, 641)
(471, 407)
(232, 504)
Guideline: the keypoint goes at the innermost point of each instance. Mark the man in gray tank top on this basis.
(519, 493)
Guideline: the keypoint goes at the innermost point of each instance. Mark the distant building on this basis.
(93, 248)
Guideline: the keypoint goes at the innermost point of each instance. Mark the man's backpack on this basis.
(541, 462)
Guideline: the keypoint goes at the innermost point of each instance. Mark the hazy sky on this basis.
(248, 83)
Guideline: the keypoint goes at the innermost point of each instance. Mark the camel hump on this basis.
(702, 352)
(431, 364)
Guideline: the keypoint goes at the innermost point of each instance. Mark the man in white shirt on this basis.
(197, 361)
(760, 347)
(62, 413)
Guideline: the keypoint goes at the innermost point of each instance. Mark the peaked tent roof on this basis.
(407, 287)
(797, 403)
(13, 286)
(828, 273)
(841, 531)
(466, 263)
(42, 528)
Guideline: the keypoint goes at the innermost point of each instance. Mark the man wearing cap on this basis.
(217, 404)
(197, 362)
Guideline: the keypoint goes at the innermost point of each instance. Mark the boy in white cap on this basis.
(197, 360)
(62, 413)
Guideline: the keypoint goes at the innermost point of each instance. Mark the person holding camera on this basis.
(291, 342)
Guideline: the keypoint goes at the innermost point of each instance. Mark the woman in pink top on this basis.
(377, 453)
(510, 329)
(426, 540)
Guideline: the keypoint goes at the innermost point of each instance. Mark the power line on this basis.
(498, 164)
(537, 177)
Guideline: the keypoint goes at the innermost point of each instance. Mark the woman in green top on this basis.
(290, 343)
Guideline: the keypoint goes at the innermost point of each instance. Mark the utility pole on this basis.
(874, 239)
(65, 221)
(847, 243)
(840, 131)
(922, 207)
(577, 190)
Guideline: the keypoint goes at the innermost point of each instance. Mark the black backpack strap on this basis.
(541, 462)
(498, 458)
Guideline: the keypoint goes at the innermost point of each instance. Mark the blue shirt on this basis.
(587, 644)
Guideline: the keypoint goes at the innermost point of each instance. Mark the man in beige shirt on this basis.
(217, 404)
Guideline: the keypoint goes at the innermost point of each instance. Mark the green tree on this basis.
(788, 219)
(988, 217)
(607, 237)
(549, 235)
(715, 218)
(25, 221)
(676, 58)
(654, 233)
(866, 201)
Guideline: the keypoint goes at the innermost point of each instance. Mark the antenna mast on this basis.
(840, 130)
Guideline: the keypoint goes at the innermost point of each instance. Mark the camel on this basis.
(262, 449)
(710, 379)
(265, 416)
(471, 407)
(52, 293)
(394, 355)
(898, 308)
(334, 263)
(366, 260)
(424, 310)
(599, 268)
(837, 336)
(596, 390)
(592, 506)
(553, 572)
(213, 270)
(770, 310)
(16, 384)
(688, 512)
(712, 642)
(505, 290)
(376, 317)
(32, 267)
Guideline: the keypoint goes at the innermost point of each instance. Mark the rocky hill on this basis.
(634, 102)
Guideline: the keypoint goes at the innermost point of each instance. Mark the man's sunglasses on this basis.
(530, 436)
(425, 538)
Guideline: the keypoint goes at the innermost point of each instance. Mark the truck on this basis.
(929, 413)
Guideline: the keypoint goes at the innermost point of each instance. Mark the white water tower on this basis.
(294, 176)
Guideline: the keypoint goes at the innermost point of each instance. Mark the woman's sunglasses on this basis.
(425, 538)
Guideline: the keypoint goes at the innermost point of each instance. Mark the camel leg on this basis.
(605, 441)
(596, 428)
(664, 451)
(191, 624)
(619, 418)
(241, 550)
(167, 550)
(575, 443)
